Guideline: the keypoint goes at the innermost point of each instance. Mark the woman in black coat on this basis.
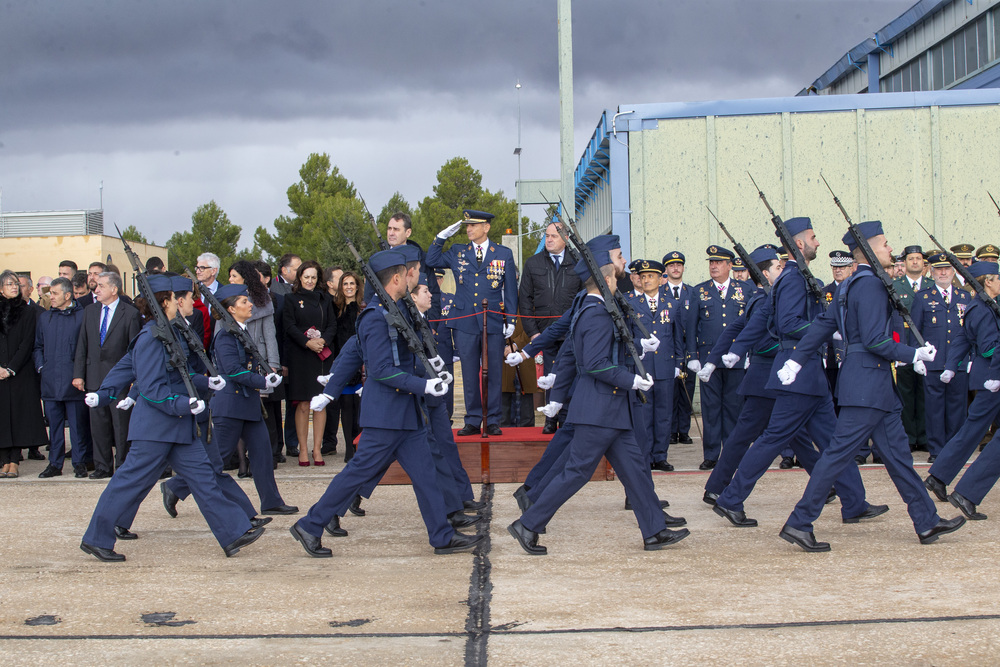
(349, 304)
(21, 423)
(310, 325)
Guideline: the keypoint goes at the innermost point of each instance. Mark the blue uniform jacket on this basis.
(240, 398)
(708, 315)
(750, 335)
(442, 334)
(940, 323)
(862, 306)
(601, 397)
(979, 339)
(666, 326)
(794, 309)
(557, 331)
(55, 348)
(495, 280)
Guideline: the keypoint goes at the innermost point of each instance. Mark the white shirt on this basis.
(480, 248)
(679, 287)
(560, 256)
(722, 287)
(915, 284)
(653, 301)
(213, 288)
(111, 314)
(945, 293)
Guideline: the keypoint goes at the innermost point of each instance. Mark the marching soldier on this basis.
(483, 270)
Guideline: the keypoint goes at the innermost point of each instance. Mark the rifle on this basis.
(994, 202)
(194, 343)
(393, 314)
(615, 307)
(163, 331)
(789, 243)
(965, 273)
(877, 268)
(418, 319)
(230, 324)
(755, 272)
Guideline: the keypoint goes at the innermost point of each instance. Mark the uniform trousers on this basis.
(683, 393)
(589, 444)
(470, 350)
(791, 413)
(911, 392)
(140, 472)
(109, 428)
(376, 450)
(656, 414)
(982, 475)
(227, 433)
(229, 487)
(984, 409)
(946, 408)
(553, 453)
(59, 413)
(720, 407)
(855, 425)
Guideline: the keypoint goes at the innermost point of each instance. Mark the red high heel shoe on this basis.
(304, 463)
(318, 459)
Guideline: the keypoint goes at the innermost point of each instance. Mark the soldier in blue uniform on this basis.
(163, 431)
(979, 338)
(938, 312)
(680, 293)
(908, 382)
(869, 403)
(392, 423)
(740, 272)
(483, 270)
(660, 316)
(717, 303)
(444, 339)
(601, 415)
(806, 404)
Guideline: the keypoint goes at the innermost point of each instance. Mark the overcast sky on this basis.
(172, 104)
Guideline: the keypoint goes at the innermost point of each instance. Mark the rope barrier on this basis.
(497, 312)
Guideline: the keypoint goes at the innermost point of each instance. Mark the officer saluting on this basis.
(483, 270)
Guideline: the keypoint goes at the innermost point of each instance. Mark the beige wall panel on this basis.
(970, 166)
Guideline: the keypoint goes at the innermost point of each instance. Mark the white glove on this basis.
(446, 377)
(546, 381)
(437, 363)
(920, 368)
(551, 409)
(642, 383)
(694, 365)
(197, 406)
(925, 353)
(435, 387)
(730, 359)
(319, 402)
(273, 380)
(91, 399)
(126, 403)
(946, 376)
(705, 374)
(508, 330)
(649, 344)
(824, 365)
(216, 382)
(455, 359)
(358, 392)
(449, 231)
(788, 372)
(514, 359)
(677, 372)
(837, 336)
(992, 385)
(968, 369)
(324, 379)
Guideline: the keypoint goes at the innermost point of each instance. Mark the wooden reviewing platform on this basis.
(500, 459)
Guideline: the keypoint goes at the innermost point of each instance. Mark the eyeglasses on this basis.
(202, 268)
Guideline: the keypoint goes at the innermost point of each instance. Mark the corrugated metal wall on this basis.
(51, 223)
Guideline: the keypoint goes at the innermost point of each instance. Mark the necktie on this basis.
(104, 325)
(479, 254)
(677, 292)
(555, 260)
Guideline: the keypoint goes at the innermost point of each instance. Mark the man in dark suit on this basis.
(82, 293)
(108, 327)
(548, 286)
(288, 266)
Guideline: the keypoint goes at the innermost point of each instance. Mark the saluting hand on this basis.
(449, 231)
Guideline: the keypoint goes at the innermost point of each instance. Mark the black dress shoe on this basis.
(877, 460)
(100, 474)
(803, 538)
(860, 460)
(246, 474)
(870, 512)
(170, 500)
(493, 429)
(460, 542)
(334, 527)
(684, 439)
(943, 527)
(663, 504)
(550, 426)
(709, 498)
(662, 466)
(355, 507)
(281, 509)
(35, 455)
(528, 539)
(830, 497)
(787, 463)
(674, 521)
(468, 429)
(243, 540)
(932, 458)
(673, 438)
(80, 472)
(459, 520)
(100, 553)
(474, 505)
(281, 458)
(964, 504)
(313, 545)
(167, 473)
(292, 451)
(736, 517)
(258, 521)
(937, 487)
(707, 465)
(664, 538)
(521, 496)
(50, 471)
(123, 533)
